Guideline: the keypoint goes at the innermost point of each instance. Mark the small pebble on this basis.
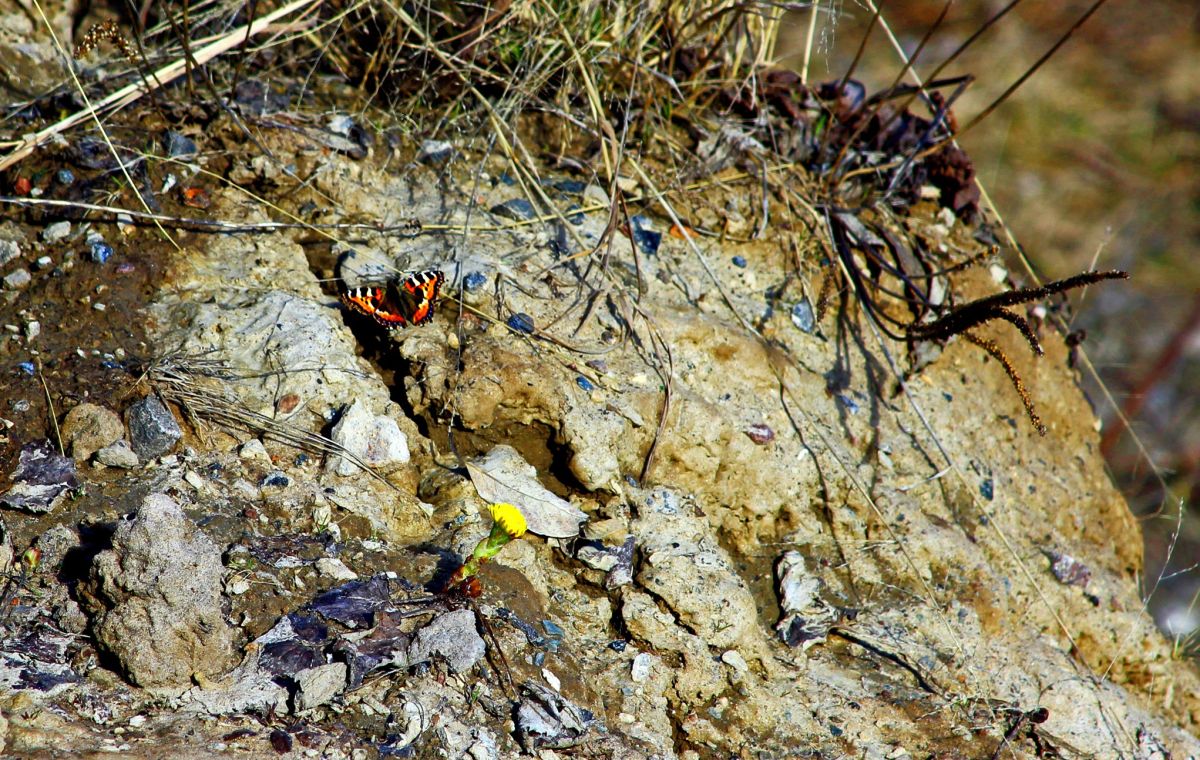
(435, 152)
(521, 322)
(99, 306)
(572, 186)
(987, 489)
(760, 434)
(647, 239)
(277, 479)
(735, 660)
(43, 262)
(153, 430)
(179, 145)
(332, 567)
(474, 281)
(117, 455)
(802, 316)
(9, 250)
(574, 215)
(56, 232)
(254, 449)
(618, 645)
(100, 251)
(515, 208)
(640, 668)
(33, 328)
(17, 279)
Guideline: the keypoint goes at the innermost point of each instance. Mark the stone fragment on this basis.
(547, 719)
(153, 430)
(318, 686)
(515, 208)
(17, 279)
(247, 689)
(158, 590)
(331, 567)
(42, 480)
(88, 428)
(56, 232)
(374, 439)
(451, 636)
(435, 152)
(118, 455)
(9, 250)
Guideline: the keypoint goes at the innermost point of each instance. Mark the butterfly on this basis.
(397, 303)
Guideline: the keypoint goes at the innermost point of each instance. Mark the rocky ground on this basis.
(784, 550)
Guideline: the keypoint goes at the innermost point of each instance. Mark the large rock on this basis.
(159, 588)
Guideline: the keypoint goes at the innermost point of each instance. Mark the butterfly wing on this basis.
(410, 301)
(422, 288)
(379, 302)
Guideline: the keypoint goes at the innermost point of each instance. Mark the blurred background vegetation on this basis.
(1093, 163)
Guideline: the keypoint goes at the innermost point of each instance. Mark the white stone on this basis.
(734, 659)
(375, 439)
(334, 568)
(56, 232)
(640, 669)
(117, 455)
(254, 449)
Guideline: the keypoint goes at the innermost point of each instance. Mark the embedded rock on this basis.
(89, 428)
(375, 440)
(159, 592)
(153, 430)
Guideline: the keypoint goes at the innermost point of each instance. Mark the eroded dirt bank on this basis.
(813, 562)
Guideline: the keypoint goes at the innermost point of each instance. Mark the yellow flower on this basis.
(509, 518)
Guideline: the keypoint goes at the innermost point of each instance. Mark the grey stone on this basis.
(56, 232)
(9, 250)
(118, 455)
(435, 152)
(153, 430)
(515, 208)
(332, 567)
(159, 596)
(374, 439)
(547, 719)
(248, 688)
(451, 636)
(17, 279)
(88, 428)
(319, 685)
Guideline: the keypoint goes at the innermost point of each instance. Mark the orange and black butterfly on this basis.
(398, 303)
